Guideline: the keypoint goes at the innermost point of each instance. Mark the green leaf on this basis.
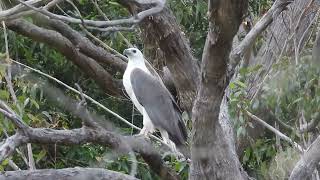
(232, 85)
(41, 155)
(4, 94)
(26, 102)
(241, 84)
(33, 102)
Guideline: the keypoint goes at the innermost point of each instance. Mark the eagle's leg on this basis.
(147, 125)
(166, 139)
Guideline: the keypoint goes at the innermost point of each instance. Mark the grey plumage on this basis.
(159, 105)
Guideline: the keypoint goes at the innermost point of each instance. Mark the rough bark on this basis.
(212, 157)
(65, 47)
(308, 162)
(316, 49)
(66, 174)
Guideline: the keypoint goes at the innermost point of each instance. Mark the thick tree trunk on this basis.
(212, 156)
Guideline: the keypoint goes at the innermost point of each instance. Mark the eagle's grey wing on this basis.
(159, 105)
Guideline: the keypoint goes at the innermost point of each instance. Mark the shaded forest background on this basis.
(283, 91)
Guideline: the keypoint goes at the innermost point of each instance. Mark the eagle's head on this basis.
(133, 54)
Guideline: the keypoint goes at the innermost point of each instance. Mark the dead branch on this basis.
(274, 130)
(67, 174)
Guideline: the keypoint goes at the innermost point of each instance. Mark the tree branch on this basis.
(308, 162)
(238, 52)
(10, 144)
(86, 46)
(67, 174)
(4, 15)
(95, 135)
(159, 5)
(278, 133)
(64, 46)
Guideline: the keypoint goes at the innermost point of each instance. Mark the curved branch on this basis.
(65, 47)
(159, 5)
(67, 173)
(85, 45)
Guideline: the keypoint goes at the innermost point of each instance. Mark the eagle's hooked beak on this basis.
(126, 52)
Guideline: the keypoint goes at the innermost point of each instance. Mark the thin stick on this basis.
(278, 133)
(31, 164)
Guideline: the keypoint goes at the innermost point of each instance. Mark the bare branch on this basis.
(10, 144)
(113, 29)
(238, 52)
(310, 125)
(85, 45)
(67, 174)
(107, 19)
(278, 133)
(65, 47)
(31, 163)
(4, 15)
(13, 165)
(159, 5)
(15, 119)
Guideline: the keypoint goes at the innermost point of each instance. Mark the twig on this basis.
(13, 165)
(107, 19)
(278, 133)
(31, 164)
(310, 125)
(87, 121)
(104, 45)
(15, 119)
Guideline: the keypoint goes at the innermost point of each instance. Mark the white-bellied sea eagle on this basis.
(153, 100)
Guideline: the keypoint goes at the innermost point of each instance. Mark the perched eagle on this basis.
(153, 100)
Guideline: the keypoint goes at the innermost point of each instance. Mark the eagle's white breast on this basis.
(127, 82)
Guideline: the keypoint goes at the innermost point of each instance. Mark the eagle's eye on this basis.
(134, 51)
